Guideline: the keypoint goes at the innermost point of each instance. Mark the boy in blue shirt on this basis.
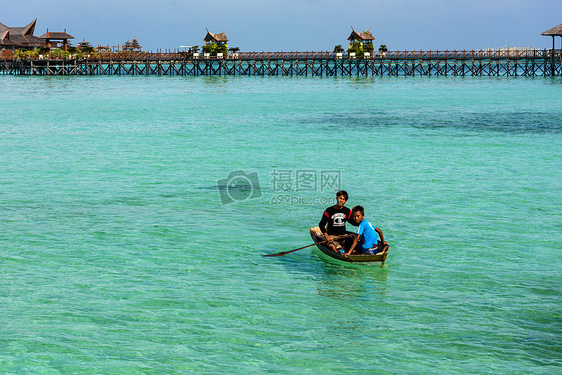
(365, 242)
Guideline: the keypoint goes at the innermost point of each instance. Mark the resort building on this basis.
(216, 38)
(83, 44)
(53, 39)
(215, 44)
(361, 43)
(133, 46)
(22, 37)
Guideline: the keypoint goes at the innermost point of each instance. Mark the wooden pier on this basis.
(396, 63)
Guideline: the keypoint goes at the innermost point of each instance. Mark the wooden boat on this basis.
(317, 237)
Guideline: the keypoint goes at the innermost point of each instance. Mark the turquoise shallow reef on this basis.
(134, 213)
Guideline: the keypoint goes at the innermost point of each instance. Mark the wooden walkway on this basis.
(396, 63)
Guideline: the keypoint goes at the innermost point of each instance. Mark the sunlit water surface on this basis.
(119, 253)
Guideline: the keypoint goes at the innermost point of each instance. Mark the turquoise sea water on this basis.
(117, 254)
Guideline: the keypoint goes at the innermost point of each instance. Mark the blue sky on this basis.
(296, 25)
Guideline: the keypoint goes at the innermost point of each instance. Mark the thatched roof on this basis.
(20, 36)
(24, 30)
(210, 37)
(59, 35)
(364, 36)
(555, 31)
(84, 44)
(5, 39)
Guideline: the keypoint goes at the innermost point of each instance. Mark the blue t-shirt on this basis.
(368, 235)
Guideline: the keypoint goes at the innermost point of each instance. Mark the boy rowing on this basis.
(334, 219)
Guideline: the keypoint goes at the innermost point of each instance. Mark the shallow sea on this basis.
(134, 213)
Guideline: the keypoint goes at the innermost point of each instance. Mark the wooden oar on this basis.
(290, 251)
(300, 248)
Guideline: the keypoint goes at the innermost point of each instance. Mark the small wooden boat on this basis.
(317, 237)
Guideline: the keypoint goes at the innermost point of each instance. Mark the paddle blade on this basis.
(290, 251)
(300, 248)
(276, 254)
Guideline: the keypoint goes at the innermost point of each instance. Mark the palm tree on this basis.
(338, 49)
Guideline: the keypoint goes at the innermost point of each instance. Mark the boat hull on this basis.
(352, 258)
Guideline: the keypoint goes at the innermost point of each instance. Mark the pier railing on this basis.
(470, 54)
(116, 56)
(393, 55)
(521, 62)
(404, 55)
(495, 54)
(286, 55)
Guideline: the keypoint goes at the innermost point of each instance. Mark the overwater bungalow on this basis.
(216, 38)
(54, 38)
(361, 43)
(12, 38)
(133, 46)
(215, 44)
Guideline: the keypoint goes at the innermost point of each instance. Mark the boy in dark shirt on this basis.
(334, 218)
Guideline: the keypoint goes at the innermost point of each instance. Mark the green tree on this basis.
(213, 48)
(57, 54)
(88, 50)
(18, 54)
(223, 48)
(33, 54)
(356, 47)
(210, 48)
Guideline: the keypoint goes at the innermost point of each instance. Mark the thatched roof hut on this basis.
(362, 37)
(555, 31)
(51, 37)
(216, 38)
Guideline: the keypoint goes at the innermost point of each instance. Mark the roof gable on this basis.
(3, 27)
(364, 36)
(215, 37)
(56, 35)
(27, 30)
(555, 31)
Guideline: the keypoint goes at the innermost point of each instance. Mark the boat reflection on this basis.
(351, 281)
